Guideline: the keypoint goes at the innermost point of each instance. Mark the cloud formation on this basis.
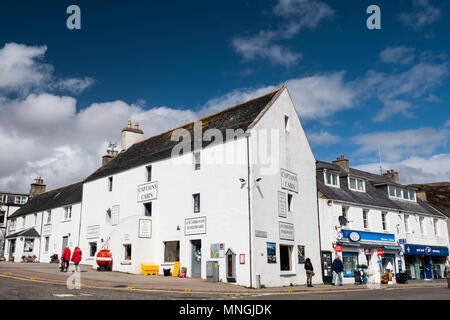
(423, 14)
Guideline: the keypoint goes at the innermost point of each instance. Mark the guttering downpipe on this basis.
(249, 210)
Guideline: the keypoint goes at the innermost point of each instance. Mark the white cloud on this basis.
(323, 138)
(396, 145)
(413, 170)
(423, 14)
(296, 15)
(447, 124)
(74, 85)
(401, 55)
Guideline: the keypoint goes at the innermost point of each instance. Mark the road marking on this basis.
(63, 295)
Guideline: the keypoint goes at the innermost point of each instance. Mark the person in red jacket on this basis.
(76, 258)
(65, 259)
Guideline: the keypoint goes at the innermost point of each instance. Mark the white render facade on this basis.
(113, 216)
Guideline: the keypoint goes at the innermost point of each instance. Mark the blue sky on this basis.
(166, 63)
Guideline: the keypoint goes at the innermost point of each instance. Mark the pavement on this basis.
(46, 273)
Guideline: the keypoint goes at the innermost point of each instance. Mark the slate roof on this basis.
(30, 232)
(160, 147)
(375, 194)
(438, 195)
(52, 199)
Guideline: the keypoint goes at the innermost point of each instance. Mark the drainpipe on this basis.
(40, 239)
(320, 238)
(79, 227)
(249, 210)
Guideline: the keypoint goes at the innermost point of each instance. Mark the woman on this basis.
(65, 258)
(309, 272)
(76, 258)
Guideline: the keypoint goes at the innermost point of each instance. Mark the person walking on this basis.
(337, 267)
(447, 274)
(309, 272)
(76, 258)
(65, 259)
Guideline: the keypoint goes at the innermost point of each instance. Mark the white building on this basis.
(9, 203)
(248, 203)
(380, 214)
(46, 224)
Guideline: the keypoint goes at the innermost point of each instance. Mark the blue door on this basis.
(428, 268)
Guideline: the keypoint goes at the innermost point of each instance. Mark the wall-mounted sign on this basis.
(260, 234)
(242, 258)
(271, 252)
(115, 215)
(380, 252)
(289, 180)
(354, 236)
(401, 241)
(426, 250)
(47, 230)
(217, 250)
(286, 231)
(338, 248)
(195, 226)
(370, 236)
(93, 232)
(145, 228)
(282, 212)
(147, 192)
(301, 254)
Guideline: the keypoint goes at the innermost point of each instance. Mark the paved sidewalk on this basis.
(49, 273)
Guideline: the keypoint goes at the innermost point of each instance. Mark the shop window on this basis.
(92, 249)
(148, 209)
(196, 198)
(171, 251)
(47, 243)
(285, 258)
(350, 260)
(149, 173)
(127, 248)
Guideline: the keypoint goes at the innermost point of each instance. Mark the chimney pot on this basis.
(342, 162)
(129, 123)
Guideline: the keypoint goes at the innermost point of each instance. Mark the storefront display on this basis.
(425, 262)
(350, 260)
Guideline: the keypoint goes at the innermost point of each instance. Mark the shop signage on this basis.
(380, 252)
(338, 248)
(260, 234)
(400, 265)
(147, 192)
(401, 241)
(145, 228)
(354, 236)
(282, 204)
(367, 251)
(217, 250)
(286, 231)
(195, 226)
(93, 232)
(426, 250)
(115, 215)
(370, 236)
(289, 181)
(47, 230)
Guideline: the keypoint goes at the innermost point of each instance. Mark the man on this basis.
(337, 267)
(65, 259)
(447, 274)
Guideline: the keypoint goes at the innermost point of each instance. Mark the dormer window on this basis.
(403, 194)
(331, 179)
(356, 184)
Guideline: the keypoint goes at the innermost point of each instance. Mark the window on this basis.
(399, 193)
(406, 223)
(12, 226)
(127, 248)
(49, 216)
(435, 227)
(356, 184)
(92, 249)
(350, 260)
(196, 198)
(35, 219)
(23, 221)
(171, 251)
(290, 205)
(148, 209)
(110, 184)
(68, 212)
(331, 179)
(47, 242)
(345, 214)
(384, 220)
(412, 195)
(4, 198)
(285, 258)
(197, 160)
(149, 173)
(20, 199)
(366, 218)
(28, 245)
(422, 225)
(286, 123)
(2, 217)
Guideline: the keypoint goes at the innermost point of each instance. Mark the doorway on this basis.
(327, 274)
(196, 260)
(285, 258)
(231, 265)
(12, 247)
(65, 241)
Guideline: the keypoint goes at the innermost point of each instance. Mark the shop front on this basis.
(425, 262)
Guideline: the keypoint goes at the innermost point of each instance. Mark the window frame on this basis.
(384, 222)
(148, 173)
(110, 183)
(357, 184)
(177, 251)
(125, 256)
(196, 203)
(366, 224)
(337, 185)
(146, 210)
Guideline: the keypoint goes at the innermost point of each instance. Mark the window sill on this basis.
(126, 262)
(68, 220)
(287, 273)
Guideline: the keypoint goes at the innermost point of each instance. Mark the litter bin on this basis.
(401, 278)
(357, 276)
(212, 271)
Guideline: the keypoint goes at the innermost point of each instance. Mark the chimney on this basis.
(393, 175)
(421, 194)
(343, 163)
(37, 187)
(110, 154)
(131, 135)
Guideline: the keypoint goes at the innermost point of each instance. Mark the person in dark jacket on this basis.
(65, 259)
(337, 267)
(309, 272)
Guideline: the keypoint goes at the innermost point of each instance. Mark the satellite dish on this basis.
(342, 221)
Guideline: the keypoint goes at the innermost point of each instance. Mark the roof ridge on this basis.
(56, 189)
